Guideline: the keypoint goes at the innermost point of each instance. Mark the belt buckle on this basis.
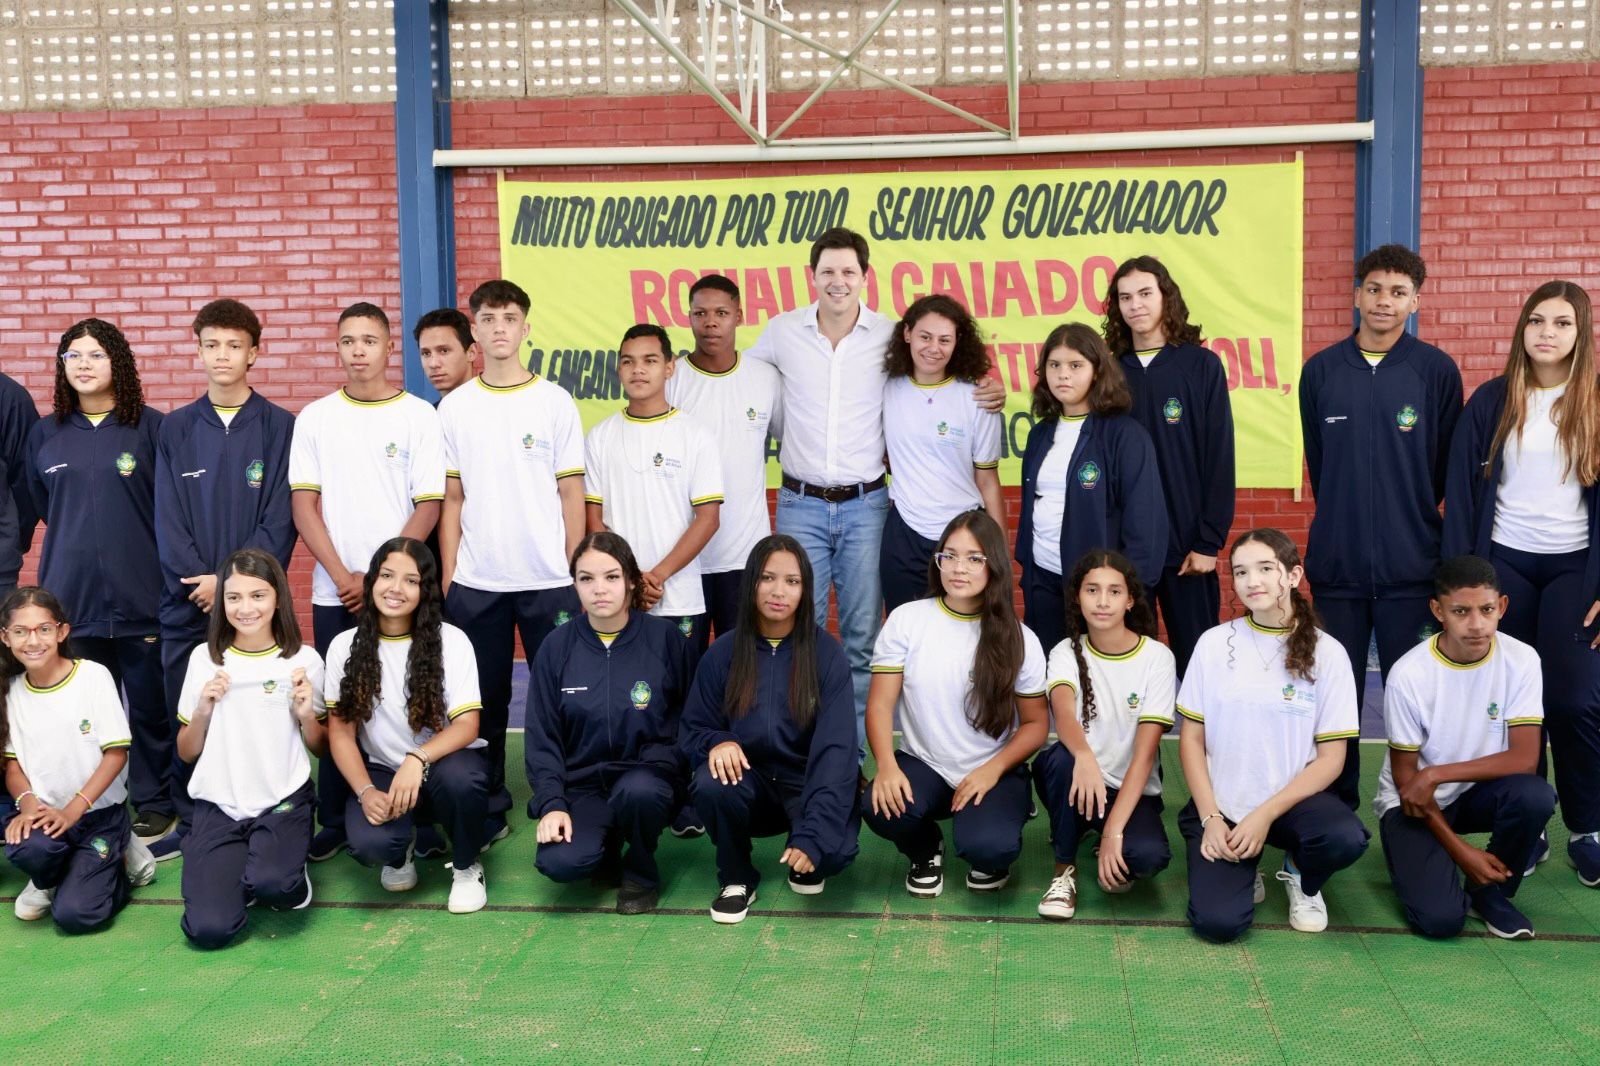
(838, 493)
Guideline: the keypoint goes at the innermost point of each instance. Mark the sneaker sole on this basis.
(807, 889)
(988, 886)
(504, 832)
(1300, 927)
(1056, 911)
(926, 893)
(687, 834)
(1585, 882)
(32, 916)
(1515, 934)
(323, 856)
(734, 919)
(477, 905)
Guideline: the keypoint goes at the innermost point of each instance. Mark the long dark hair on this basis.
(1577, 412)
(362, 686)
(11, 667)
(1300, 653)
(744, 674)
(1000, 647)
(1175, 324)
(1108, 395)
(125, 387)
(1140, 618)
(253, 562)
(970, 360)
(608, 543)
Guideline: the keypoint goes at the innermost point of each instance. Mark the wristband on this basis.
(88, 804)
(25, 795)
(422, 757)
(1207, 818)
(364, 791)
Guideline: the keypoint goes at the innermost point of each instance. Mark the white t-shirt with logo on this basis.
(1539, 506)
(1138, 686)
(934, 648)
(936, 436)
(1050, 492)
(59, 734)
(254, 756)
(1263, 724)
(508, 447)
(648, 475)
(373, 462)
(1454, 712)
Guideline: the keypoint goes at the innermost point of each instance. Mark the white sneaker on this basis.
(467, 890)
(138, 863)
(1061, 898)
(1258, 894)
(1308, 914)
(34, 903)
(402, 878)
(303, 904)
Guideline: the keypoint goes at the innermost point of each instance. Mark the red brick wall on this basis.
(142, 216)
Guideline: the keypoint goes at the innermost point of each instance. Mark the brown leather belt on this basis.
(832, 493)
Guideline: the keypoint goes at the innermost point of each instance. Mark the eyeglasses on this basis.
(46, 631)
(78, 357)
(952, 561)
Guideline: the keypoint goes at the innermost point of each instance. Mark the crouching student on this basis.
(404, 727)
(602, 727)
(1268, 702)
(1464, 711)
(249, 708)
(967, 681)
(770, 729)
(65, 738)
(1112, 687)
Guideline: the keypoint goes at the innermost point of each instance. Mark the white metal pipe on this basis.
(929, 146)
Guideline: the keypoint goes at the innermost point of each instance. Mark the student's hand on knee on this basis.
(975, 786)
(1088, 792)
(728, 763)
(375, 805)
(1482, 868)
(555, 827)
(891, 791)
(1214, 844)
(405, 786)
(798, 861)
(1113, 869)
(1249, 836)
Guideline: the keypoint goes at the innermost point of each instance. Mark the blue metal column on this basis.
(1389, 91)
(427, 209)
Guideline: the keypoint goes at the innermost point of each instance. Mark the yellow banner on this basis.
(1024, 250)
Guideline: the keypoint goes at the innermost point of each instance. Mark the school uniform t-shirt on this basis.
(59, 734)
(1050, 508)
(936, 436)
(934, 648)
(1539, 505)
(1138, 686)
(740, 408)
(508, 447)
(648, 475)
(1453, 712)
(387, 735)
(1262, 724)
(373, 462)
(254, 756)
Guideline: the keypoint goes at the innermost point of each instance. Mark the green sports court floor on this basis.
(862, 973)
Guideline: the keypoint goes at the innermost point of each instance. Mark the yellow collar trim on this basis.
(58, 686)
(1433, 646)
(953, 613)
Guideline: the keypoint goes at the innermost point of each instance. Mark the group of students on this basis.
(614, 556)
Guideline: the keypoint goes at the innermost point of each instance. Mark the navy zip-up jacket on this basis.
(96, 490)
(1377, 444)
(817, 763)
(1181, 400)
(219, 488)
(1113, 495)
(1470, 498)
(595, 712)
(17, 514)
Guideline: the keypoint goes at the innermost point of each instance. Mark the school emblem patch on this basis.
(1406, 418)
(943, 428)
(1172, 411)
(269, 687)
(562, 618)
(1089, 474)
(527, 441)
(391, 449)
(640, 695)
(283, 808)
(84, 727)
(686, 626)
(1133, 701)
(657, 459)
(101, 848)
(750, 413)
(1288, 693)
(126, 464)
(1494, 711)
(254, 473)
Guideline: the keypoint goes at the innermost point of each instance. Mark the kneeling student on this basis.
(404, 727)
(1112, 687)
(1464, 711)
(250, 707)
(65, 738)
(770, 726)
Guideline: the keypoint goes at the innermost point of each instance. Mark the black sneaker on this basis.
(634, 898)
(326, 844)
(1490, 906)
(688, 824)
(431, 843)
(983, 881)
(806, 884)
(168, 847)
(732, 904)
(150, 826)
(495, 830)
(925, 880)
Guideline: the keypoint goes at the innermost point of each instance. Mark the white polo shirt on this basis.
(832, 397)
(508, 447)
(648, 475)
(59, 734)
(934, 648)
(1050, 494)
(254, 756)
(936, 436)
(373, 462)
(1453, 712)
(387, 735)
(1262, 724)
(740, 408)
(1138, 686)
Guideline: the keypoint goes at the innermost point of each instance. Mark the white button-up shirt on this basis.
(832, 397)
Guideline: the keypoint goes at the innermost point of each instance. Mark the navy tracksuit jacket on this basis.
(17, 514)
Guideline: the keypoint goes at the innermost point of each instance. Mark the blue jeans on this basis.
(842, 541)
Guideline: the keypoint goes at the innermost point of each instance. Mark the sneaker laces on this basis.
(1299, 897)
(1063, 886)
(733, 890)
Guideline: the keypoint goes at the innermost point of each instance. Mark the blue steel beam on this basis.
(1389, 92)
